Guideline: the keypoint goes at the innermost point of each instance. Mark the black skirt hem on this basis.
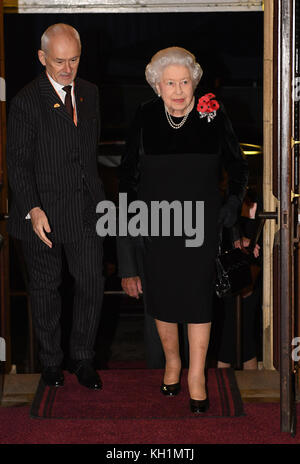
(181, 321)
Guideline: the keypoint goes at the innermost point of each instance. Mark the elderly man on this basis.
(53, 133)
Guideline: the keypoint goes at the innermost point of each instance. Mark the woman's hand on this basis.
(132, 286)
(256, 251)
(249, 209)
(244, 243)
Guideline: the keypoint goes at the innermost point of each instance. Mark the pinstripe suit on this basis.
(52, 164)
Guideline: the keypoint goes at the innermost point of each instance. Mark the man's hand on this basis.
(132, 286)
(40, 225)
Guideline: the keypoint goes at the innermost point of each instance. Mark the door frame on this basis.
(284, 190)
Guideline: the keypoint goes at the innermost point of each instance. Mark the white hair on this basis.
(172, 56)
(57, 29)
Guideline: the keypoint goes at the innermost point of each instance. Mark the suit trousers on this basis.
(85, 260)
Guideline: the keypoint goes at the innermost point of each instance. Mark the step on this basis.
(255, 386)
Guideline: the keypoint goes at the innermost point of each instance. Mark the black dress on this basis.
(183, 165)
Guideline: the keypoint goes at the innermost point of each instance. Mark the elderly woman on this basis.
(177, 146)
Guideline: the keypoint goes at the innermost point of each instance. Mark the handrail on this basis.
(259, 150)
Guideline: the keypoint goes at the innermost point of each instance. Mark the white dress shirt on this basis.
(62, 94)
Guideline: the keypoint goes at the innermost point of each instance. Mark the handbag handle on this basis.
(253, 241)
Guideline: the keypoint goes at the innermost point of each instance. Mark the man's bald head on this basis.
(60, 52)
(56, 30)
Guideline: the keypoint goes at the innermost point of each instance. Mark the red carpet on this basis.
(134, 394)
(260, 425)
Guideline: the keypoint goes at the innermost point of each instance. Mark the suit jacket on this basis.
(51, 160)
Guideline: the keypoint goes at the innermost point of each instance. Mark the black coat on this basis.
(49, 158)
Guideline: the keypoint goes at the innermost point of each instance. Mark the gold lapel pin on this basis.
(57, 105)
(81, 99)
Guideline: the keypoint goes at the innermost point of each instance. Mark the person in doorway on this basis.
(176, 148)
(251, 299)
(52, 143)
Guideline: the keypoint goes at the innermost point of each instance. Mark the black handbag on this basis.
(236, 270)
(233, 272)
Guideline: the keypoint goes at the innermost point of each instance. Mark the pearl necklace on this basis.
(173, 124)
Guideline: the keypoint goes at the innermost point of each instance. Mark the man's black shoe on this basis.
(86, 374)
(53, 376)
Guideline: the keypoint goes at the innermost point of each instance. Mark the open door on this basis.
(286, 190)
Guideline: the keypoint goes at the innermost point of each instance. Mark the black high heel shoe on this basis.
(199, 406)
(170, 390)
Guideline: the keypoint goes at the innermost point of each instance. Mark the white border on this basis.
(137, 6)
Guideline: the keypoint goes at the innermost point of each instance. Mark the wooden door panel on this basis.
(283, 186)
(276, 302)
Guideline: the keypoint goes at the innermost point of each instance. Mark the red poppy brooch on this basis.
(207, 106)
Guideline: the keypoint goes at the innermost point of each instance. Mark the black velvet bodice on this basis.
(195, 136)
(151, 134)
